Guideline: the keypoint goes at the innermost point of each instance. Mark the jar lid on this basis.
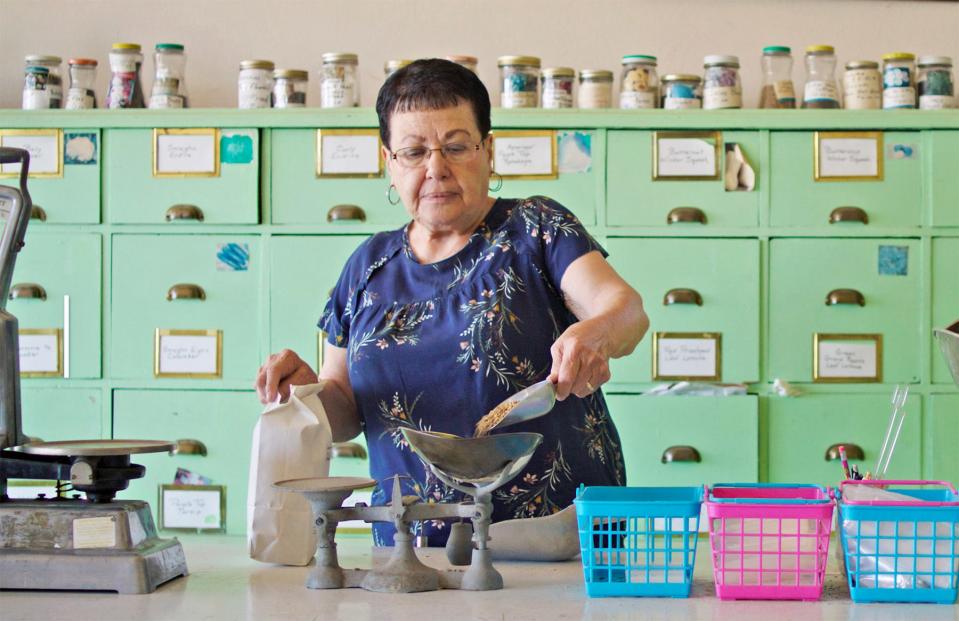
(935, 60)
(172, 47)
(531, 61)
(341, 57)
(257, 64)
(721, 60)
(132, 47)
(461, 58)
(40, 70)
(820, 49)
(899, 56)
(776, 50)
(559, 72)
(36, 59)
(89, 62)
(291, 74)
(393, 65)
(862, 64)
(680, 77)
(646, 59)
(596, 74)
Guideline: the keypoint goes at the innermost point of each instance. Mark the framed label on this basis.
(193, 507)
(526, 154)
(844, 358)
(188, 353)
(45, 147)
(847, 156)
(687, 356)
(686, 156)
(348, 153)
(192, 152)
(320, 348)
(41, 352)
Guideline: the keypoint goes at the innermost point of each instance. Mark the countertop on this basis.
(225, 584)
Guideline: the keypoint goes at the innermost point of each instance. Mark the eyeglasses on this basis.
(453, 152)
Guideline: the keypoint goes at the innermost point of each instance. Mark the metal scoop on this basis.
(531, 402)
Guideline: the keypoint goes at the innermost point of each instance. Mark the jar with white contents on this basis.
(339, 86)
(254, 85)
(722, 86)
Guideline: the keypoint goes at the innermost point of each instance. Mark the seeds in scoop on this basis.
(486, 424)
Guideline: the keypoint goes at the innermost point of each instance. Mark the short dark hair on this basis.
(432, 84)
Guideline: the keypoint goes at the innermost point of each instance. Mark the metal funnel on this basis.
(949, 346)
(479, 461)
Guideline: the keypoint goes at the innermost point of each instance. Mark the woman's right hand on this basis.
(279, 372)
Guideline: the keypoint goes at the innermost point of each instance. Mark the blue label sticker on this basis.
(236, 149)
(575, 151)
(893, 260)
(232, 257)
(79, 148)
(902, 151)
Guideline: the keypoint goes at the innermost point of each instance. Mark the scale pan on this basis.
(472, 459)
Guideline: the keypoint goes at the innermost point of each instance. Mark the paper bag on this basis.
(291, 440)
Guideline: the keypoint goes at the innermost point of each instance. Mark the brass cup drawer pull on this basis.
(346, 212)
(37, 213)
(185, 291)
(27, 291)
(681, 453)
(848, 214)
(685, 214)
(853, 451)
(682, 296)
(184, 212)
(845, 296)
(189, 446)
(349, 449)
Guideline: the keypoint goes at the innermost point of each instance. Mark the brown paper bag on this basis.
(291, 440)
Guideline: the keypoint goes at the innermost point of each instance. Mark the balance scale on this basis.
(93, 543)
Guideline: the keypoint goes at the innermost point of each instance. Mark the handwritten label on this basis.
(44, 152)
(524, 155)
(848, 359)
(848, 157)
(686, 357)
(685, 157)
(192, 508)
(98, 532)
(188, 354)
(186, 154)
(39, 353)
(349, 154)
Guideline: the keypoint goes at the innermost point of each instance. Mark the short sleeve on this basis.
(337, 314)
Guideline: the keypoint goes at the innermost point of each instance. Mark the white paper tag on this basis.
(98, 532)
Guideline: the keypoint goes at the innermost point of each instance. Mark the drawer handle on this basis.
(681, 453)
(682, 296)
(349, 449)
(845, 296)
(853, 451)
(27, 291)
(184, 212)
(686, 214)
(37, 213)
(185, 291)
(346, 212)
(848, 214)
(189, 446)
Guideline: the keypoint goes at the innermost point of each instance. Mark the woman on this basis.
(432, 325)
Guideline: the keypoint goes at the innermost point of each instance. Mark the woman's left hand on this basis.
(580, 359)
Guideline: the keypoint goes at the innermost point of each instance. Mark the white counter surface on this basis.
(225, 584)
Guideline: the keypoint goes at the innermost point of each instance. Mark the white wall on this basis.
(584, 34)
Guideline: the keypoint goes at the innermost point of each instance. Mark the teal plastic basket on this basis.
(638, 541)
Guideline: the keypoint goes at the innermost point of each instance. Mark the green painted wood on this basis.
(801, 429)
(804, 271)
(725, 272)
(723, 430)
(132, 195)
(797, 199)
(945, 298)
(940, 455)
(635, 199)
(144, 269)
(222, 420)
(53, 414)
(63, 264)
(944, 178)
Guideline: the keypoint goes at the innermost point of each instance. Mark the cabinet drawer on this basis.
(723, 430)
(133, 195)
(59, 265)
(222, 421)
(635, 199)
(941, 459)
(802, 429)
(803, 272)
(724, 273)
(351, 459)
(797, 199)
(145, 268)
(56, 414)
(74, 197)
(945, 298)
(944, 188)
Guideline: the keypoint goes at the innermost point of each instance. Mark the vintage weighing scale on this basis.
(93, 543)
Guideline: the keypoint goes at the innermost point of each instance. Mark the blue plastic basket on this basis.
(902, 551)
(638, 541)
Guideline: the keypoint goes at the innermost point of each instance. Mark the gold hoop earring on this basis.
(389, 195)
(499, 182)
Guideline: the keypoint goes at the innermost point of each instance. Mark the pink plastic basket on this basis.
(769, 541)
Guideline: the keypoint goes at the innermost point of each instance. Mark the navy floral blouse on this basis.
(437, 346)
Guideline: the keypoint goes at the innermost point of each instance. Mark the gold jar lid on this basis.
(862, 64)
(529, 61)
(392, 65)
(462, 59)
(680, 77)
(559, 72)
(899, 56)
(291, 74)
(126, 47)
(820, 49)
(340, 57)
(600, 75)
(929, 61)
(257, 64)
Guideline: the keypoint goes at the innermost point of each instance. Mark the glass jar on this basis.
(254, 86)
(936, 88)
(35, 93)
(898, 80)
(469, 62)
(681, 91)
(83, 75)
(862, 85)
(639, 83)
(392, 66)
(558, 87)
(126, 89)
(820, 90)
(289, 88)
(595, 88)
(778, 90)
(722, 87)
(54, 84)
(169, 85)
(519, 80)
(339, 87)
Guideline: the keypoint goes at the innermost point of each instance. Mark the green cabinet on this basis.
(657, 434)
(944, 177)
(945, 298)
(54, 414)
(941, 438)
